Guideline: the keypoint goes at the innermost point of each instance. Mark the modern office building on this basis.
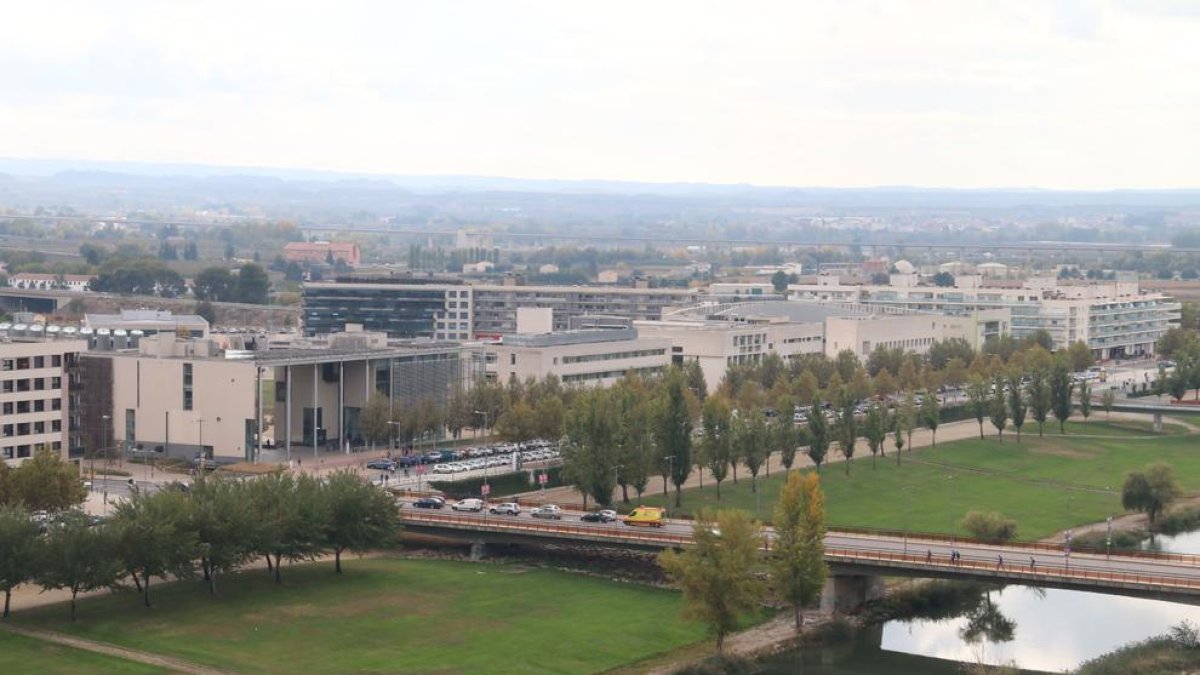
(1115, 318)
(721, 335)
(37, 374)
(447, 309)
(587, 357)
(177, 397)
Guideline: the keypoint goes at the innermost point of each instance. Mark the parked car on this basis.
(408, 460)
(601, 516)
(381, 465)
(550, 511)
(506, 509)
(468, 504)
(429, 503)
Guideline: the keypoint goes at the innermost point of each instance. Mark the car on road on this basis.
(646, 516)
(506, 509)
(443, 468)
(601, 516)
(550, 511)
(381, 465)
(468, 504)
(429, 503)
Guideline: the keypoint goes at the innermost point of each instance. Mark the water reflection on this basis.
(1038, 630)
(1058, 630)
(1186, 542)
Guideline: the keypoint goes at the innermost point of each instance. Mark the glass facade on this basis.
(400, 311)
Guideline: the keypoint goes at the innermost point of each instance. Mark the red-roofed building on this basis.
(319, 252)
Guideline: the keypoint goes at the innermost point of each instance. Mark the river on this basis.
(1038, 630)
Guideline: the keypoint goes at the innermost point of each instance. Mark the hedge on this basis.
(502, 484)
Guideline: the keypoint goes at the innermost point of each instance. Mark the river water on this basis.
(1039, 630)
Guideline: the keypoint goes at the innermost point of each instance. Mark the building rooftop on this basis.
(571, 337)
(144, 317)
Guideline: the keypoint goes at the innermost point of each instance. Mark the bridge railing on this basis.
(1014, 543)
(1041, 571)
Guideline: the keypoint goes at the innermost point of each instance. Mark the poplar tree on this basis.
(798, 568)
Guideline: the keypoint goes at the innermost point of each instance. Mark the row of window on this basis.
(27, 362)
(30, 384)
(607, 375)
(40, 405)
(24, 451)
(613, 356)
(30, 428)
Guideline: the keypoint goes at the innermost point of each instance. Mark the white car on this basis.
(443, 468)
(507, 509)
(550, 511)
(470, 504)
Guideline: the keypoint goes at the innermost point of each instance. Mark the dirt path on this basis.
(170, 663)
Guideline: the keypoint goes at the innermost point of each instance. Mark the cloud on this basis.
(953, 92)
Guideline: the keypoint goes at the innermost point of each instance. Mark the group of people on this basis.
(956, 557)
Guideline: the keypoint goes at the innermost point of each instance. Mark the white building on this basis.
(586, 357)
(35, 392)
(49, 282)
(1116, 319)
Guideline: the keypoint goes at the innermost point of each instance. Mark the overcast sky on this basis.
(964, 93)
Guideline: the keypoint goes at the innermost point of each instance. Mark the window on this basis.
(39, 362)
(39, 406)
(56, 404)
(6, 386)
(23, 429)
(187, 386)
(23, 363)
(56, 425)
(39, 384)
(8, 430)
(8, 364)
(56, 360)
(6, 452)
(56, 383)
(512, 359)
(39, 427)
(8, 408)
(22, 407)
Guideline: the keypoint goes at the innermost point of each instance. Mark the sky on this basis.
(1068, 94)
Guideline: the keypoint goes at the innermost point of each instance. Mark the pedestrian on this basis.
(999, 562)
(1032, 563)
(928, 555)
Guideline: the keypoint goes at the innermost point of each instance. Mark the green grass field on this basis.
(1046, 484)
(20, 654)
(389, 615)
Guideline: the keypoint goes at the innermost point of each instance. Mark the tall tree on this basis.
(977, 400)
(998, 408)
(19, 544)
(897, 426)
(1151, 490)
(1107, 400)
(252, 285)
(361, 517)
(784, 436)
(753, 443)
(910, 417)
(77, 557)
(227, 528)
(818, 434)
(717, 427)
(675, 431)
(1085, 400)
(798, 568)
(1038, 391)
(154, 537)
(931, 414)
(875, 428)
(214, 284)
(1061, 388)
(847, 431)
(44, 482)
(716, 572)
(1017, 405)
(294, 515)
(590, 445)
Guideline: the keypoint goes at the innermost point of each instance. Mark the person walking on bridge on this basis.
(928, 556)
(999, 562)
(1032, 563)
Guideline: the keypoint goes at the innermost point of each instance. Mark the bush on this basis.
(991, 526)
(1179, 520)
(1122, 540)
(501, 485)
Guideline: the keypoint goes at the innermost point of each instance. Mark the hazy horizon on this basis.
(1064, 95)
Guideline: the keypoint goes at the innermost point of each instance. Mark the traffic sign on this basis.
(543, 478)
(420, 469)
(485, 489)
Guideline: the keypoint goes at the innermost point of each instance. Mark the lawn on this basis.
(390, 615)
(1046, 484)
(20, 654)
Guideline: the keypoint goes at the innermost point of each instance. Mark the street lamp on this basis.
(484, 413)
(1108, 539)
(200, 424)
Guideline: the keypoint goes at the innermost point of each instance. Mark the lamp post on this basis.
(1108, 539)
(484, 413)
(200, 424)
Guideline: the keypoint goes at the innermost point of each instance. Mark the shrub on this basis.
(501, 485)
(990, 526)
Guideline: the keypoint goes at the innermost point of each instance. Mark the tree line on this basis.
(208, 530)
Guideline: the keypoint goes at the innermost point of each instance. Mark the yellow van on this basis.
(650, 516)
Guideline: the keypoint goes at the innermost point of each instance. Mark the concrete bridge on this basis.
(859, 559)
(1151, 406)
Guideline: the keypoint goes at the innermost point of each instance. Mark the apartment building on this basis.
(36, 375)
(448, 309)
(587, 357)
(1115, 318)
